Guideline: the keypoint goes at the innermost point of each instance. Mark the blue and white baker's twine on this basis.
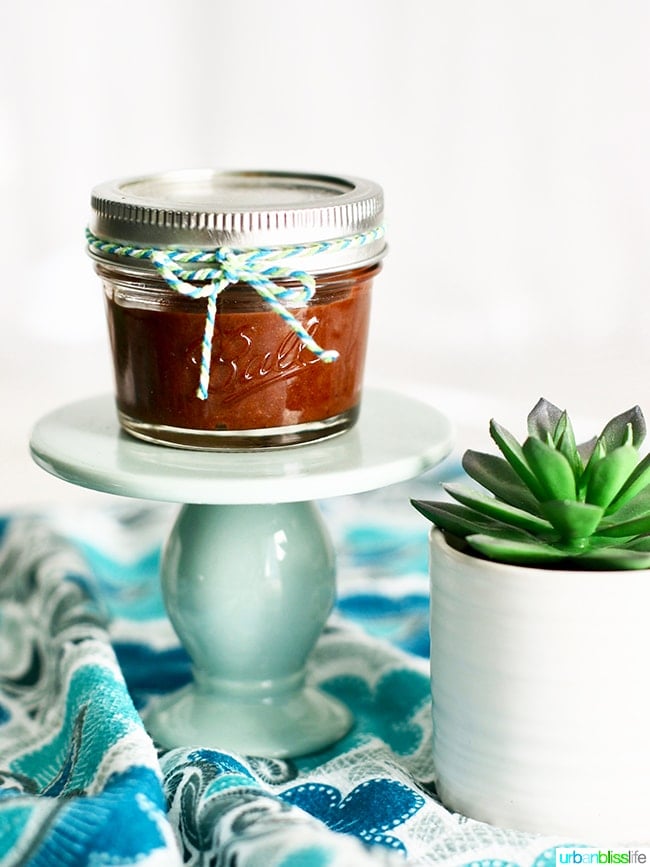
(252, 266)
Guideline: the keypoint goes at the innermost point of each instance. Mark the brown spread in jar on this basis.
(261, 374)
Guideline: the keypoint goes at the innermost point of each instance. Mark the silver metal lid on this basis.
(207, 209)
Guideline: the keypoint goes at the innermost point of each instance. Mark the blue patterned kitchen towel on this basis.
(85, 644)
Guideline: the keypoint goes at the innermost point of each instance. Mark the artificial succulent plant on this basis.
(552, 502)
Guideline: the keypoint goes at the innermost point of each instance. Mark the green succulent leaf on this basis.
(637, 482)
(626, 429)
(558, 431)
(524, 552)
(552, 470)
(638, 543)
(597, 542)
(620, 528)
(543, 419)
(515, 456)
(609, 474)
(634, 510)
(598, 453)
(455, 518)
(565, 442)
(494, 508)
(616, 432)
(615, 558)
(496, 474)
(572, 520)
(585, 450)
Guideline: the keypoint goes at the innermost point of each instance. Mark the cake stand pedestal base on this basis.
(248, 589)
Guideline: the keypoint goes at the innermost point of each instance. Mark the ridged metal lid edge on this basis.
(199, 208)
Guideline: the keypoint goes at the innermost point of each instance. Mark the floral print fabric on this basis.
(85, 644)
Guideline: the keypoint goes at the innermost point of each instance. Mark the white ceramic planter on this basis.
(541, 696)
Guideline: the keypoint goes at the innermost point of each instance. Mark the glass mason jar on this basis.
(237, 303)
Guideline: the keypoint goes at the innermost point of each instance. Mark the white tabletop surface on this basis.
(396, 438)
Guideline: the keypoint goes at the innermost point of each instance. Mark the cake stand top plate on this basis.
(396, 438)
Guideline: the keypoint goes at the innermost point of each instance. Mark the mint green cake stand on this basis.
(248, 572)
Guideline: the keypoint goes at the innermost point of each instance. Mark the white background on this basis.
(512, 140)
